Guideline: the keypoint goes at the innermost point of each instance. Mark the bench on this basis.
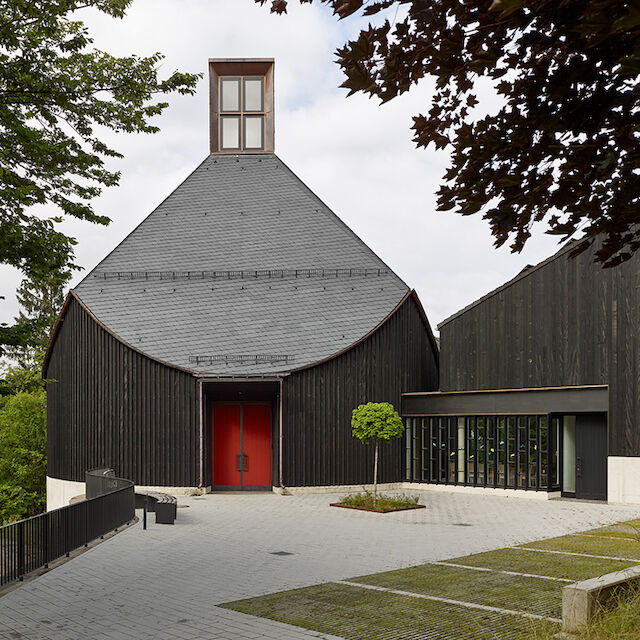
(580, 600)
(164, 505)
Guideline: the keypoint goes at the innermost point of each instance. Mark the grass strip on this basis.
(527, 561)
(532, 595)
(612, 547)
(457, 603)
(360, 614)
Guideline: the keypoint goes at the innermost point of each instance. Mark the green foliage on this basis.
(16, 379)
(376, 421)
(563, 145)
(382, 502)
(56, 93)
(23, 458)
(40, 300)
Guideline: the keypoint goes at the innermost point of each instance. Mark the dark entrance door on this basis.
(591, 456)
(241, 440)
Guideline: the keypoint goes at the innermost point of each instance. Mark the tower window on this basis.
(241, 113)
(253, 94)
(230, 91)
(230, 130)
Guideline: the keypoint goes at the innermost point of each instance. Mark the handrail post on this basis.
(47, 528)
(144, 513)
(86, 524)
(21, 550)
(67, 542)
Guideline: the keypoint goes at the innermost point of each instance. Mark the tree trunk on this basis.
(375, 477)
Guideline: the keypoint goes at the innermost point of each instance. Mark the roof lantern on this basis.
(241, 99)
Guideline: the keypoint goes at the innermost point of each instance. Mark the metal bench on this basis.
(164, 505)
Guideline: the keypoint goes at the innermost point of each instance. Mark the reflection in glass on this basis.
(461, 432)
(471, 451)
(452, 449)
(518, 452)
(511, 452)
(491, 451)
(522, 453)
(502, 447)
(544, 447)
(442, 449)
(481, 451)
(433, 448)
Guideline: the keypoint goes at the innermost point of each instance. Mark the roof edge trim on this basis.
(411, 294)
(72, 295)
(423, 314)
(506, 285)
(54, 335)
(578, 387)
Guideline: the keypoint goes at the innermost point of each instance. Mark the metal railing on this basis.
(33, 543)
(242, 274)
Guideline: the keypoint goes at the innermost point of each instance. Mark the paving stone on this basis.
(140, 584)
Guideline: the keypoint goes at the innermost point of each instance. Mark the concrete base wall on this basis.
(623, 480)
(417, 486)
(174, 491)
(60, 492)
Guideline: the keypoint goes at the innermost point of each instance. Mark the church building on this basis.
(225, 341)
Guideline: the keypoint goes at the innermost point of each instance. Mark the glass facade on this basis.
(511, 452)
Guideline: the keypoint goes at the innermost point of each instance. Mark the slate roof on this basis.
(241, 216)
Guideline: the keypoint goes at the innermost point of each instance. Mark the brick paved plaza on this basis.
(165, 583)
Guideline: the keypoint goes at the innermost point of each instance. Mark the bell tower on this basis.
(241, 104)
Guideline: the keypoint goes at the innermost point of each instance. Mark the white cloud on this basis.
(357, 156)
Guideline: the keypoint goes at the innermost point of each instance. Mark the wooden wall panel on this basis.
(568, 322)
(111, 406)
(318, 447)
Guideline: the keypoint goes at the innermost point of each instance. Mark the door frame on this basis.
(574, 494)
(241, 403)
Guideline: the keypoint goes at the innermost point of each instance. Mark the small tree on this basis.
(376, 421)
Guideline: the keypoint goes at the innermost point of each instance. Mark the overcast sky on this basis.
(355, 155)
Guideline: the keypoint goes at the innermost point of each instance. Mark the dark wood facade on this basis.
(109, 405)
(318, 448)
(564, 322)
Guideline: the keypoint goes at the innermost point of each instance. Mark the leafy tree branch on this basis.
(563, 147)
(56, 93)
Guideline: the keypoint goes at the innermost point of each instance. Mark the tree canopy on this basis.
(562, 149)
(376, 421)
(57, 93)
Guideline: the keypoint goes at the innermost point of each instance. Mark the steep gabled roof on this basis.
(241, 270)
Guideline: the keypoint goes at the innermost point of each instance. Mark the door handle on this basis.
(241, 462)
(579, 467)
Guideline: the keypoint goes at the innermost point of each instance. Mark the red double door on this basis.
(241, 444)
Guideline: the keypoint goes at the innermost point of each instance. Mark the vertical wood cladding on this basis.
(112, 406)
(318, 447)
(568, 322)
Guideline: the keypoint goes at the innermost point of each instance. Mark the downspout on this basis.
(201, 424)
(280, 437)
